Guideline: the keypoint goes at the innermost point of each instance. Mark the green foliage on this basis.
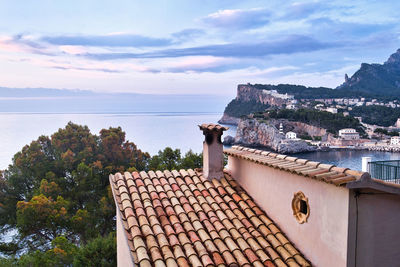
(56, 193)
(238, 108)
(331, 122)
(59, 185)
(169, 159)
(317, 138)
(377, 115)
(305, 137)
(382, 131)
(101, 251)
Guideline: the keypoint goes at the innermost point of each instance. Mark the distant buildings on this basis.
(395, 140)
(331, 110)
(349, 134)
(291, 135)
(275, 93)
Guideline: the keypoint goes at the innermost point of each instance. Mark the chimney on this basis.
(213, 155)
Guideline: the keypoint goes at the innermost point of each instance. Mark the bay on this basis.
(150, 131)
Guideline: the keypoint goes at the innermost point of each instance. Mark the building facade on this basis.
(266, 209)
(395, 140)
(291, 135)
(349, 134)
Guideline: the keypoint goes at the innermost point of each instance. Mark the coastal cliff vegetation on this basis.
(237, 108)
(56, 196)
(377, 115)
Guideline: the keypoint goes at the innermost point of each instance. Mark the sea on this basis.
(150, 131)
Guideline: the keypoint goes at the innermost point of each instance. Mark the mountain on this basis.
(377, 79)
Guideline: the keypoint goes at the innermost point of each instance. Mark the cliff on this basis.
(247, 92)
(250, 132)
(249, 99)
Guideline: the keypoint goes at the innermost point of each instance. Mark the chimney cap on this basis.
(212, 127)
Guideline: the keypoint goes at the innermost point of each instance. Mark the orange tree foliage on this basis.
(58, 185)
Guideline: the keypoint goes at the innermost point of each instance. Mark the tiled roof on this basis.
(316, 170)
(182, 219)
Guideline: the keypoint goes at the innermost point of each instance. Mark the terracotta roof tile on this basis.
(179, 218)
(315, 170)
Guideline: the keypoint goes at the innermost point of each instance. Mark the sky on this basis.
(190, 47)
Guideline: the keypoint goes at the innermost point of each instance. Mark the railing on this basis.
(387, 170)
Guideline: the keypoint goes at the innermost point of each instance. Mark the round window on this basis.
(300, 207)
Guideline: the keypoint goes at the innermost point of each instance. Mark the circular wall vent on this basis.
(300, 207)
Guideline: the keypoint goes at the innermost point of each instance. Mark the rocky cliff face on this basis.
(303, 128)
(250, 132)
(247, 93)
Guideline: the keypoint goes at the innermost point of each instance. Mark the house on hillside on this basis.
(349, 134)
(264, 209)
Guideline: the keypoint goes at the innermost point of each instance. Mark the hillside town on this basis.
(377, 138)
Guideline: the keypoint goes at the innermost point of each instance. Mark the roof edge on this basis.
(313, 169)
(376, 184)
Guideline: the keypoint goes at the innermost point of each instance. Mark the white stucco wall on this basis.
(323, 239)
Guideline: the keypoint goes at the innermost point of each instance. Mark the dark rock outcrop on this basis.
(228, 140)
(226, 119)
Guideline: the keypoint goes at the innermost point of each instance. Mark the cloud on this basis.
(301, 10)
(23, 43)
(188, 34)
(108, 40)
(200, 64)
(86, 69)
(289, 45)
(328, 28)
(238, 18)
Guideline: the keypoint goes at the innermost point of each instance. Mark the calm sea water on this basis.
(149, 131)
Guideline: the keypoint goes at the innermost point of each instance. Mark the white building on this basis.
(395, 140)
(349, 134)
(291, 135)
(275, 93)
(331, 110)
(398, 123)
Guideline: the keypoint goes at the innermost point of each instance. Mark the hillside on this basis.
(371, 81)
(376, 79)
(304, 92)
(377, 115)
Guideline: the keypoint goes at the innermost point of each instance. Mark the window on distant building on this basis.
(300, 207)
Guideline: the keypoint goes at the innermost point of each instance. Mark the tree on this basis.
(59, 185)
(56, 193)
(169, 159)
(101, 251)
